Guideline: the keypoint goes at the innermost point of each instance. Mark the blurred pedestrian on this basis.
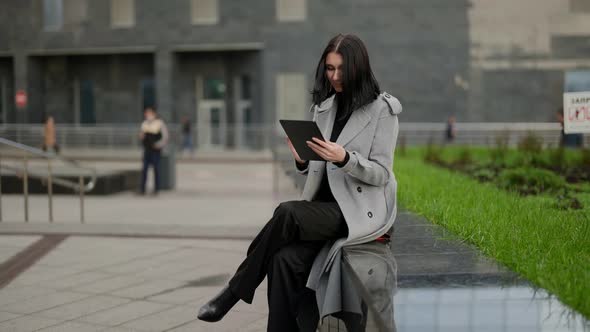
(154, 136)
(451, 132)
(49, 136)
(187, 137)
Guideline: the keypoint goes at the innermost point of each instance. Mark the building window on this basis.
(74, 12)
(204, 12)
(577, 81)
(122, 13)
(291, 10)
(52, 14)
(580, 6)
(291, 96)
(60, 14)
(214, 88)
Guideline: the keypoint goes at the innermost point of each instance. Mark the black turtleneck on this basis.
(324, 193)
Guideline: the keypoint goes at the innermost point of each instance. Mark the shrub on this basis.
(530, 143)
(528, 180)
(584, 160)
(567, 202)
(433, 153)
(557, 158)
(464, 157)
(484, 174)
(500, 150)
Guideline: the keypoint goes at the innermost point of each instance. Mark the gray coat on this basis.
(365, 188)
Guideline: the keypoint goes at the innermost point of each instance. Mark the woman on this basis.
(347, 199)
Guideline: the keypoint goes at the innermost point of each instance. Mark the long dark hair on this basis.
(359, 86)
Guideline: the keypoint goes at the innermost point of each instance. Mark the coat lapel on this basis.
(327, 115)
(357, 121)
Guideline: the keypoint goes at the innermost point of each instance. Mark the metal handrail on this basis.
(80, 186)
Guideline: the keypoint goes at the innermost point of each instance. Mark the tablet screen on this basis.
(300, 131)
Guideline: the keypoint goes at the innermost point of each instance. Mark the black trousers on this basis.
(284, 251)
(150, 157)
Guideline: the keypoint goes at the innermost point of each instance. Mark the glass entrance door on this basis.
(211, 112)
(244, 131)
(84, 102)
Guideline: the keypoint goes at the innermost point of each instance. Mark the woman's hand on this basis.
(295, 154)
(330, 151)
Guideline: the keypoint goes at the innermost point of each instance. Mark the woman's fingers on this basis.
(320, 142)
(315, 146)
(293, 151)
(319, 150)
(325, 149)
(330, 146)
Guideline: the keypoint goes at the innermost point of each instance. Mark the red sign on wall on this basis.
(20, 99)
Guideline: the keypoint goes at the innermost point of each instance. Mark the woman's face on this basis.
(334, 70)
(149, 114)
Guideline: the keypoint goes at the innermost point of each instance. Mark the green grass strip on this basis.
(549, 247)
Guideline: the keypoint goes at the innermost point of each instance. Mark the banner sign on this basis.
(576, 112)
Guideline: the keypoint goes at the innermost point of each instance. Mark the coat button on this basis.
(359, 189)
(370, 214)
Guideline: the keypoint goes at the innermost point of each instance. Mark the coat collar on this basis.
(327, 115)
(326, 105)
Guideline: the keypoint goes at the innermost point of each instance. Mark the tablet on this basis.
(300, 131)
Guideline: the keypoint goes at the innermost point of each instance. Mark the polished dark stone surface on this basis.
(426, 279)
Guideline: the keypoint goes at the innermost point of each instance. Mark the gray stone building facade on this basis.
(522, 54)
(228, 62)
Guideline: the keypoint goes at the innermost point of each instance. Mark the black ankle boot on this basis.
(217, 307)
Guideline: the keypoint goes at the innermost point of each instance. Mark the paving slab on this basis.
(83, 307)
(40, 273)
(27, 324)
(164, 320)
(15, 293)
(14, 244)
(74, 280)
(147, 289)
(180, 296)
(234, 321)
(107, 285)
(125, 313)
(43, 302)
(73, 327)
(7, 316)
